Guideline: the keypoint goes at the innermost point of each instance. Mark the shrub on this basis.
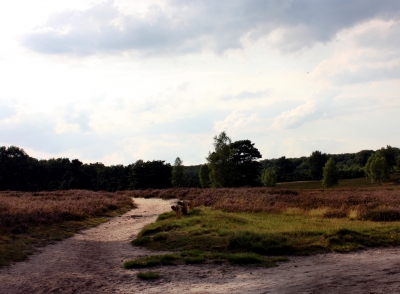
(269, 178)
(148, 275)
(330, 174)
(377, 169)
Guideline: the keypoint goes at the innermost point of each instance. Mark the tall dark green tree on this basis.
(223, 171)
(317, 162)
(248, 169)
(13, 169)
(178, 175)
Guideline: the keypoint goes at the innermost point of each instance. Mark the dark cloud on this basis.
(188, 26)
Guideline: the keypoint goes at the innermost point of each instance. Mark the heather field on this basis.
(36, 219)
(377, 203)
(277, 221)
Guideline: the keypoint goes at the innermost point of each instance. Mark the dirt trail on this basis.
(91, 262)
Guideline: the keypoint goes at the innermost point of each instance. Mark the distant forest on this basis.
(19, 171)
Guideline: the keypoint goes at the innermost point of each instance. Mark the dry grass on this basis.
(276, 221)
(378, 204)
(35, 219)
(19, 210)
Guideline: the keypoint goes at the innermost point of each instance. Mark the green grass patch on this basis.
(148, 275)
(297, 233)
(153, 260)
(199, 257)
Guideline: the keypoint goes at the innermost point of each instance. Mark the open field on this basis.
(91, 262)
(29, 220)
(346, 183)
(277, 221)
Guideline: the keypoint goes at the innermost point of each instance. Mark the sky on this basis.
(118, 81)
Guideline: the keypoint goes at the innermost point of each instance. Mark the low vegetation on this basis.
(290, 232)
(199, 256)
(267, 222)
(148, 275)
(35, 219)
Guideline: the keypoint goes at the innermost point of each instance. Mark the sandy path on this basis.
(90, 262)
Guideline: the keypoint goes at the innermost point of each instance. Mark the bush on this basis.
(330, 174)
(148, 275)
(377, 169)
(269, 178)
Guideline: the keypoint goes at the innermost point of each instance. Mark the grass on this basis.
(148, 275)
(292, 219)
(199, 257)
(30, 220)
(293, 232)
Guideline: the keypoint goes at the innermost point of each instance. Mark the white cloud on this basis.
(295, 117)
(318, 106)
(64, 127)
(237, 123)
(365, 53)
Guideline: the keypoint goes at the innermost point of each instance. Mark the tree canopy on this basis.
(377, 169)
(233, 164)
(19, 171)
(245, 156)
(317, 162)
(269, 178)
(178, 174)
(223, 171)
(151, 174)
(330, 174)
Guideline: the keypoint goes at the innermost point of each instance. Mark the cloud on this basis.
(319, 106)
(192, 26)
(239, 122)
(249, 95)
(6, 111)
(367, 53)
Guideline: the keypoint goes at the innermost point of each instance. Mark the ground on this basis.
(91, 262)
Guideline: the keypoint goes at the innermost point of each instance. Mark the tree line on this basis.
(235, 164)
(230, 164)
(19, 171)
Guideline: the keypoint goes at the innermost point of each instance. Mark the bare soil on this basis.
(91, 262)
